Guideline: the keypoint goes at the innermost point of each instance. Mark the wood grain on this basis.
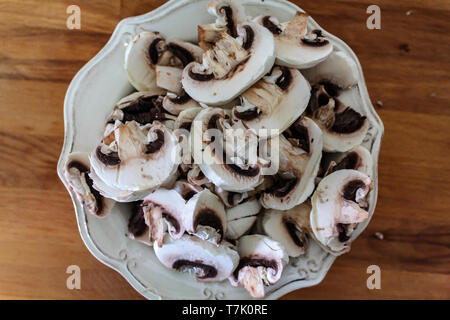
(406, 66)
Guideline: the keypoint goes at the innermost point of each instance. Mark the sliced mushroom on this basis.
(136, 157)
(137, 228)
(186, 117)
(212, 155)
(357, 158)
(339, 70)
(183, 52)
(338, 205)
(205, 217)
(175, 104)
(231, 66)
(164, 208)
(284, 227)
(147, 50)
(241, 218)
(142, 54)
(186, 190)
(295, 47)
(142, 107)
(76, 172)
(274, 102)
(229, 14)
(182, 129)
(300, 155)
(205, 260)
(229, 198)
(115, 193)
(262, 260)
(196, 177)
(169, 78)
(342, 126)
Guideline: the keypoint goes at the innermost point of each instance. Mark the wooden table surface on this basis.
(406, 66)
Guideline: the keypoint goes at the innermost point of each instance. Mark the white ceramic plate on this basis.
(90, 98)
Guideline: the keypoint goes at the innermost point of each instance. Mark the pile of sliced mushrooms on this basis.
(233, 220)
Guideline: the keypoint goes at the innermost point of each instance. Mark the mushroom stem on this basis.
(252, 280)
(154, 220)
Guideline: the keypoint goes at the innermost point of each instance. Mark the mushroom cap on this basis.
(241, 218)
(205, 217)
(146, 157)
(274, 102)
(222, 78)
(141, 56)
(213, 164)
(294, 47)
(338, 68)
(209, 262)
(76, 172)
(279, 226)
(299, 164)
(337, 202)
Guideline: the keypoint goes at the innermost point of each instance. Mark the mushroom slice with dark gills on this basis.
(295, 47)
(175, 104)
(142, 107)
(358, 158)
(337, 207)
(262, 261)
(76, 172)
(143, 53)
(231, 66)
(136, 158)
(186, 190)
(300, 155)
(229, 14)
(205, 217)
(196, 177)
(289, 228)
(163, 211)
(339, 70)
(211, 151)
(183, 53)
(241, 218)
(274, 102)
(147, 50)
(343, 127)
(203, 259)
(229, 198)
(169, 77)
(137, 227)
